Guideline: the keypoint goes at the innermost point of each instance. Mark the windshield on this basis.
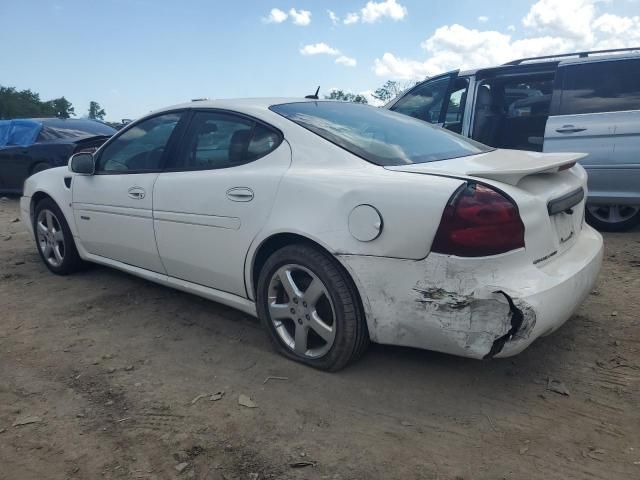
(377, 135)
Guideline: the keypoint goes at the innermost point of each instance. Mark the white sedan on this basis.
(336, 224)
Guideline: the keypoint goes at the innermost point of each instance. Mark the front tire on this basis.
(613, 218)
(54, 239)
(310, 308)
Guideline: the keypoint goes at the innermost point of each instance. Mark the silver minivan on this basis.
(580, 102)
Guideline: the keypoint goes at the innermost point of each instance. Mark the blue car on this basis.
(28, 146)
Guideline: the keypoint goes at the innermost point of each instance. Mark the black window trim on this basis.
(225, 111)
(170, 143)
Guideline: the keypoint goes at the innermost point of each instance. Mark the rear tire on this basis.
(314, 315)
(613, 218)
(54, 239)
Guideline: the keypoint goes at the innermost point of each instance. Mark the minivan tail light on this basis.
(479, 221)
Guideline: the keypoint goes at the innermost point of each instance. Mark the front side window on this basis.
(139, 148)
(221, 140)
(425, 101)
(378, 135)
(609, 86)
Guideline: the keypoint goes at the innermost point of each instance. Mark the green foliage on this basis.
(27, 104)
(391, 89)
(346, 96)
(95, 111)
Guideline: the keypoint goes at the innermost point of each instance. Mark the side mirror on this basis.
(82, 163)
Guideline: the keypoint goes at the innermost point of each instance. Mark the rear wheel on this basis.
(613, 218)
(310, 308)
(54, 239)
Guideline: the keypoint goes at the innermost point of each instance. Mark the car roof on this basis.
(238, 104)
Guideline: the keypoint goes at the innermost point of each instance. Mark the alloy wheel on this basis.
(50, 238)
(301, 311)
(613, 213)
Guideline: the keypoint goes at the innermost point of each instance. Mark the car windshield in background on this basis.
(55, 129)
(377, 135)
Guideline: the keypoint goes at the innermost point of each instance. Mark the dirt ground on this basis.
(116, 374)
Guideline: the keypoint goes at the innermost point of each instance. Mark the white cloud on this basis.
(511, 28)
(483, 18)
(552, 27)
(351, 18)
(300, 17)
(275, 16)
(334, 18)
(319, 49)
(346, 61)
(374, 11)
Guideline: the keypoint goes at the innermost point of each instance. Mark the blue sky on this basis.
(133, 56)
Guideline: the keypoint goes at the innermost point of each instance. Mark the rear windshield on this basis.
(54, 129)
(378, 135)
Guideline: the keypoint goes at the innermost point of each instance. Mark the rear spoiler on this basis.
(521, 166)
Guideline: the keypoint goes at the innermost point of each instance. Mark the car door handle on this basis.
(240, 194)
(137, 193)
(570, 129)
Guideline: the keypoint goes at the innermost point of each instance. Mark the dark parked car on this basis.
(31, 145)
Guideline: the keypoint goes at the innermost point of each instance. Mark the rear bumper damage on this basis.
(474, 307)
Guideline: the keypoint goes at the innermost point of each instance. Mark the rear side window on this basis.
(600, 87)
(222, 140)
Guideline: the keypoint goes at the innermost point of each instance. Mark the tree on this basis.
(25, 103)
(95, 111)
(62, 107)
(391, 89)
(346, 96)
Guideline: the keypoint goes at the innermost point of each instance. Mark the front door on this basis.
(113, 208)
(219, 195)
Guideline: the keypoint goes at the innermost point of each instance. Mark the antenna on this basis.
(315, 95)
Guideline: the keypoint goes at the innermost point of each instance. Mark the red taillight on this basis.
(479, 221)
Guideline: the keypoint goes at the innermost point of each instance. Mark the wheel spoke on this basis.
(58, 236)
(49, 217)
(289, 284)
(300, 345)
(325, 331)
(613, 214)
(42, 228)
(314, 292)
(46, 252)
(58, 255)
(278, 311)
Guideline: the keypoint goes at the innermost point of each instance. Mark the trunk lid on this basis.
(548, 189)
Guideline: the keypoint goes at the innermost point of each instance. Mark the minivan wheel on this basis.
(310, 308)
(613, 218)
(54, 239)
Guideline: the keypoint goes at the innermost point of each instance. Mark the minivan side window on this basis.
(222, 140)
(608, 86)
(140, 148)
(424, 102)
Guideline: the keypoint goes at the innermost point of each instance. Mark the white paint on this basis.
(365, 223)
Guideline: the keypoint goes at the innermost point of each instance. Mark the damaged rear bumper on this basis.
(474, 307)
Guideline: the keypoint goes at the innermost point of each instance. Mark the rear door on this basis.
(217, 196)
(583, 119)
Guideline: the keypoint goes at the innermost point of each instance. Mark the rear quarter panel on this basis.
(325, 183)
